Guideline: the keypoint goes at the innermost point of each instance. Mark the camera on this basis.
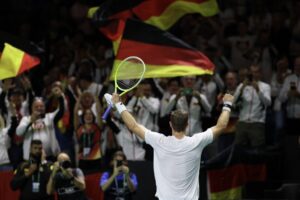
(119, 163)
(65, 164)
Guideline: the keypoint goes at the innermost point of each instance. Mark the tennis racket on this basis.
(128, 74)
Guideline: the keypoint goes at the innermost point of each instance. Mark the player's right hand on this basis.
(228, 97)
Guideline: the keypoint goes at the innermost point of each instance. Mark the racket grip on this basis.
(106, 113)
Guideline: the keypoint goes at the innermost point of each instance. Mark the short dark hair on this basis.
(36, 142)
(179, 120)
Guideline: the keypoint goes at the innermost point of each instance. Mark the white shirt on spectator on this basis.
(46, 135)
(131, 144)
(4, 145)
(194, 110)
(177, 164)
(145, 110)
(293, 104)
(253, 104)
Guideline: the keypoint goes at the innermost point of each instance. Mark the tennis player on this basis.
(177, 157)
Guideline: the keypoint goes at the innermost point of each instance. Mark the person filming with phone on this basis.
(192, 101)
(118, 183)
(68, 182)
(252, 98)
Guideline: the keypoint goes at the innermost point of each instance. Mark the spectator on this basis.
(171, 89)
(31, 176)
(15, 104)
(207, 86)
(89, 140)
(278, 76)
(226, 139)
(192, 101)
(145, 107)
(69, 183)
(13, 93)
(254, 96)
(41, 126)
(290, 95)
(118, 182)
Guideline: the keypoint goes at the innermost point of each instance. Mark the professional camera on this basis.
(66, 164)
(119, 163)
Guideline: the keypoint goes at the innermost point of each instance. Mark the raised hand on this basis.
(228, 98)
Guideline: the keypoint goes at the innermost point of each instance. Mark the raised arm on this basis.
(128, 119)
(224, 117)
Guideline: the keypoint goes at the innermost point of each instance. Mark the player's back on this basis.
(177, 164)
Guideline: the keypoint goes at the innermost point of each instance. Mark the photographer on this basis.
(40, 125)
(252, 97)
(69, 183)
(192, 101)
(118, 183)
(31, 176)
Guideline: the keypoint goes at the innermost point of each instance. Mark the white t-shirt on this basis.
(177, 164)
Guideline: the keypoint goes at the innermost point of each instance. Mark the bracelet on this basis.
(227, 103)
(226, 108)
(120, 107)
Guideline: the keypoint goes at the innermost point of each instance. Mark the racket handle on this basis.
(106, 113)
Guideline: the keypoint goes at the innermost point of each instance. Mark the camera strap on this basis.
(120, 190)
(36, 183)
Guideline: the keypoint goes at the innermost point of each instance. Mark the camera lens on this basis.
(66, 164)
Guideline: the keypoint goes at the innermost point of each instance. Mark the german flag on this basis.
(15, 61)
(164, 54)
(164, 13)
(160, 13)
(228, 172)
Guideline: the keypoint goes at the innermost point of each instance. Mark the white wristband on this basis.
(228, 103)
(120, 107)
(226, 108)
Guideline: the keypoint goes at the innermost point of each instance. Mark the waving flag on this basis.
(164, 54)
(14, 61)
(160, 13)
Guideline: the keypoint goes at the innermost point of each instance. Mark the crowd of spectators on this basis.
(254, 44)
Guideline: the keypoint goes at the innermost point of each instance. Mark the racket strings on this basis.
(126, 84)
(129, 73)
